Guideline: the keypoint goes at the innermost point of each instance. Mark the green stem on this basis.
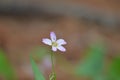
(52, 75)
(52, 55)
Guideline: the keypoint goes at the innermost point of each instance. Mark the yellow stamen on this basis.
(55, 44)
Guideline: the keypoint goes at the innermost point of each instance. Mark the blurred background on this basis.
(90, 27)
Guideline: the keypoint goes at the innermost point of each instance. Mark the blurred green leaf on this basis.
(92, 64)
(38, 75)
(99, 77)
(114, 71)
(5, 67)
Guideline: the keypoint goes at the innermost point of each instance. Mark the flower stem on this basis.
(52, 55)
(52, 75)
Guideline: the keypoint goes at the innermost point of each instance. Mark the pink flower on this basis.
(56, 44)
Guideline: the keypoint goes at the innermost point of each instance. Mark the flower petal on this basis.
(61, 48)
(53, 36)
(61, 42)
(47, 41)
(54, 48)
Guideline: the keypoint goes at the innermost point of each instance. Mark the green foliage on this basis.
(6, 69)
(92, 65)
(52, 76)
(99, 77)
(38, 54)
(114, 70)
(38, 75)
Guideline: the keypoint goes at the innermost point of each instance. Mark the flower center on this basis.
(55, 44)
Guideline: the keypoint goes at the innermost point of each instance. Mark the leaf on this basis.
(38, 75)
(114, 70)
(92, 64)
(99, 77)
(5, 67)
(52, 76)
